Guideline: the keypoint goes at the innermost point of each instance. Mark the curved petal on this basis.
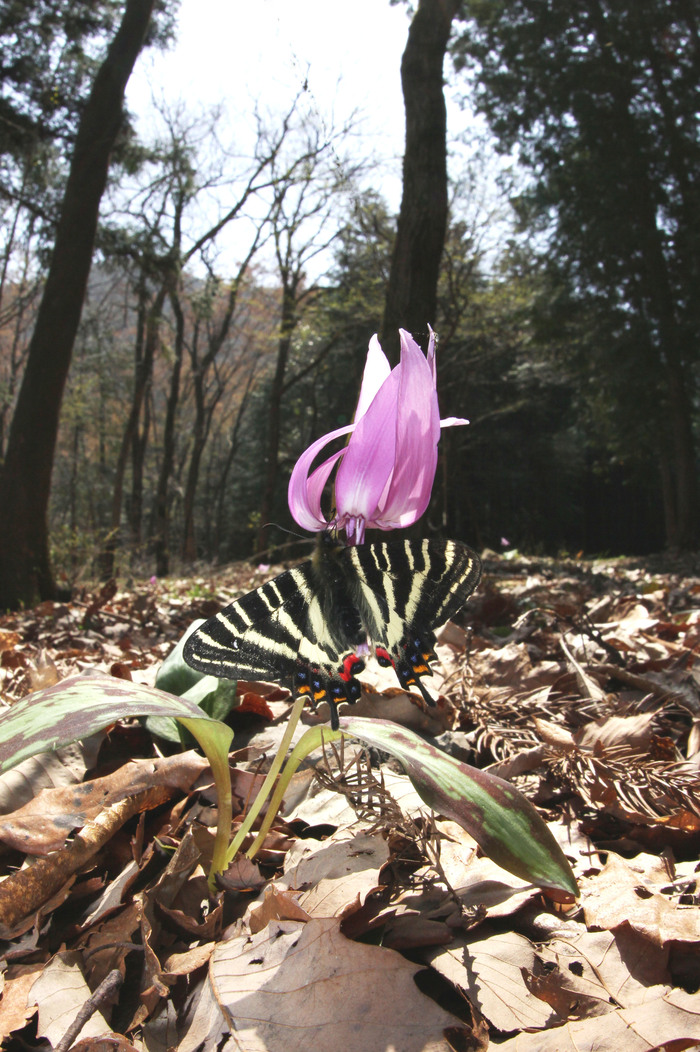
(376, 371)
(432, 347)
(417, 436)
(304, 496)
(370, 454)
(316, 483)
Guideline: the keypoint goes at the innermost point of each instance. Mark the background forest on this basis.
(565, 297)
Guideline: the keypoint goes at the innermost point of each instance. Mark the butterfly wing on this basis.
(304, 625)
(405, 589)
(281, 631)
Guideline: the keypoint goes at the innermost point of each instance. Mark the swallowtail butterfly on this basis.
(313, 624)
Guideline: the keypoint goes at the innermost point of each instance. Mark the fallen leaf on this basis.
(60, 992)
(490, 971)
(66, 766)
(188, 962)
(618, 896)
(43, 824)
(15, 1005)
(330, 875)
(282, 988)
(675, 1017)
(276, 905)
(616, 968)
(630, 732)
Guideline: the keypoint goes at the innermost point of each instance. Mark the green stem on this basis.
(310, 740)
(268, 783)
(215, 739)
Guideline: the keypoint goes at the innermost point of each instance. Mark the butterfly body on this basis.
(315, 623)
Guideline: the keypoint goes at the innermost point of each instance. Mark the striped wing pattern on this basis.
(307, 624)
(423, 584)
(268, 632)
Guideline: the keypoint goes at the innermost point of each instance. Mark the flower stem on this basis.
(267, 784)
(312, 739)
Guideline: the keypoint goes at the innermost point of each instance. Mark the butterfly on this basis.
(315, 623)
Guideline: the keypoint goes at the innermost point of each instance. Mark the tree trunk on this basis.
(228, 463)
(288, 323)
(161, 541)
(25, 483)
(411, 299)
(204, 409)
(199, 436)
(147, 337)
(139, 444)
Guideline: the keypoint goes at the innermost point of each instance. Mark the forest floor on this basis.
(368, 924)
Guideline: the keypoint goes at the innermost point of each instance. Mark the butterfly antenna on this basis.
(283, 529)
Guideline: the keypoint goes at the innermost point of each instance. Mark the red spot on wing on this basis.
(352, 664)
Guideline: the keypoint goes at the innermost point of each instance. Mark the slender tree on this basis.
(411, 298)
(303, 224)
(25, 482)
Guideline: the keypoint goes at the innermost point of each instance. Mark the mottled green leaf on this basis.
(504, 824)
(79, 706)
(82, 704)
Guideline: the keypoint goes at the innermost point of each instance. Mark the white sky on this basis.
(239, 52)
(242, 52)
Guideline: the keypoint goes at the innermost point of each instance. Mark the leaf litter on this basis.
(366, 922)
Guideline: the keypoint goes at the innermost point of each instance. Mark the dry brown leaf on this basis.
(9, 640)
(106, 1043)
(457, 850)
(277, 905)
(617, 969)
(619, 896)
(60, 992)
(204, 1025)
(43, 885)
(283, 988)
(554, 734)
(381, 698)
(329, 876)
(490, 971)
(189, 961)
(409, 930)
(66, 766)
(523, 761)
(42, 825)
(508, 665)
(315, 804)
(631, 732)
(586, 684)
(116, 935)
(672, 1017)
(480, 883)
(15, 1007)
(112, 896)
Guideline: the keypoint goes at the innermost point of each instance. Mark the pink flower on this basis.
(386, 471)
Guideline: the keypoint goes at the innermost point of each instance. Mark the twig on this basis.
(107, 989)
